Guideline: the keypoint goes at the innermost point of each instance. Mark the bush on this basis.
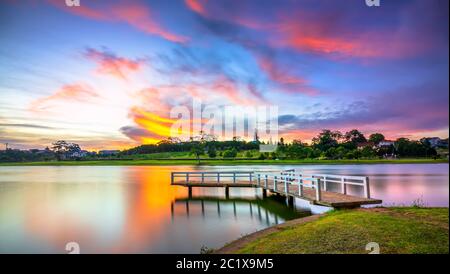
(262, 156)
(231, 153)
(212, 152)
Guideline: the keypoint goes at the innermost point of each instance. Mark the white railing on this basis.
(216, 175)
(316, 181)
(287, 178)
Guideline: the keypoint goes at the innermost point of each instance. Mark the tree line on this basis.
(327, 144)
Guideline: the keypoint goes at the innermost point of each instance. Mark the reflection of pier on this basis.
(263, 210)
(315, 188)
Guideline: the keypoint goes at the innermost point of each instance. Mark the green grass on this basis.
(396, 230)
(215, 162)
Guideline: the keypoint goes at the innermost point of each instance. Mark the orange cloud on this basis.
(78, 92)
(135, 14)
(116, 66)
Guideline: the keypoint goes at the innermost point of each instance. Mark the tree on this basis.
(197, 150)
(355, 136)
(231, 153)
(63, 149)
(327, 139)
(376, 138)
(212, 152)
(368, 152)
(248, 154)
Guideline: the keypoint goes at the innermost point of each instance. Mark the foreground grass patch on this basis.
(396, 230)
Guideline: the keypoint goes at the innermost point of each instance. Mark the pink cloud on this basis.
(109, 63)
(78, 92)
(133, 13)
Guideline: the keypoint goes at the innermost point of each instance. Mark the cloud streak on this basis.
(133, 13)
(109, 63)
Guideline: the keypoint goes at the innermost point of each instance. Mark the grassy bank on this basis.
(217, 162)
(396, 230)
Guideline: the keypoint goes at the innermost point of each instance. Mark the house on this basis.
(79, 154)
(108, 152)
(386, 143)
(437, 142)
(361, 146)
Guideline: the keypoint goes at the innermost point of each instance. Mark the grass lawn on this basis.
(216, 162)
(396, 230)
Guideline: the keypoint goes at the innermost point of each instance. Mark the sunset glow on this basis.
(106, 74)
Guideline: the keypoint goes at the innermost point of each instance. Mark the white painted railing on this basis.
(216, 175)
(342, 180)
(288, 178)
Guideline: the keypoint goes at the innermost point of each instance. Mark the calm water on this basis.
(135, 210)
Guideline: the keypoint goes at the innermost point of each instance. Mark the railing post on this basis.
(318, 191)
(187, 176)
(275, 183)
(171, 178)
(259, 179)
(203, 177)
(300, 185)
(324, 183)
(266, 181)
(251, 177)
(286, 188)
(343, 186)
(234, 177)
(367, 188)
(218, 177)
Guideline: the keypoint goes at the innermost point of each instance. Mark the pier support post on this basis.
(190, 192)
(275, 183)
(264, 193)
(318, 191)
(291, 201)
(227, 192)
(367, 188)
(343, 186)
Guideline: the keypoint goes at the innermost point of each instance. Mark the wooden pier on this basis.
(315, 188)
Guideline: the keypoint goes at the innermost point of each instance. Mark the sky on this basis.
(107, 73)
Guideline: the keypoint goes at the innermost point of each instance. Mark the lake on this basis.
(133, 209)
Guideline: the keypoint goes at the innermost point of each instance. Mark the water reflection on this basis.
(122, 209)
(135, 210)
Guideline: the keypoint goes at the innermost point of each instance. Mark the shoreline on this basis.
(220, 162)
(267, 241)
(235, 245)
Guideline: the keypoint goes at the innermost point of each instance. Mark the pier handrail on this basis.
(343, 180)
(286, 177)
(212, 174)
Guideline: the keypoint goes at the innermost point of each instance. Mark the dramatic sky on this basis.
(107, 73)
